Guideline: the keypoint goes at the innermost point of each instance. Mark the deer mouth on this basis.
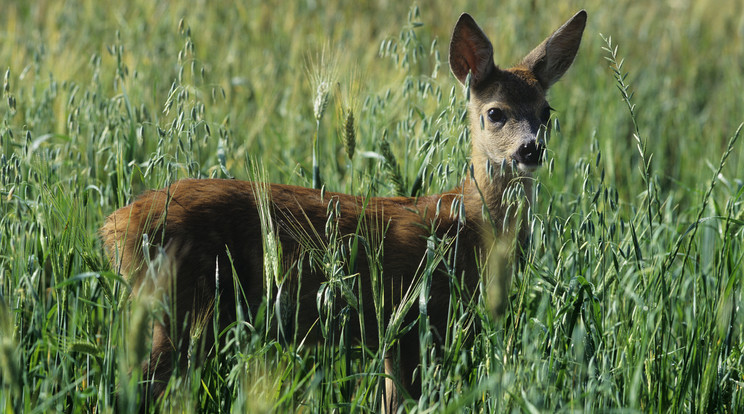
(529, 156)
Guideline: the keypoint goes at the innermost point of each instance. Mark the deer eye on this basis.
(545, 115)
(496, 116)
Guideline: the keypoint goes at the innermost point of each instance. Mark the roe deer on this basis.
(213, 227)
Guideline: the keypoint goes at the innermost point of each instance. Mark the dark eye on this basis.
(545, 115)
(496, 116)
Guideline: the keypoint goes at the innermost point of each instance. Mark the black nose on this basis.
(529, 154)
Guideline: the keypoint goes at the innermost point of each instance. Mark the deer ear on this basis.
(470, 51)
(552, 58)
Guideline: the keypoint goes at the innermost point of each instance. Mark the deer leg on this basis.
(158, 369)
(400, 365)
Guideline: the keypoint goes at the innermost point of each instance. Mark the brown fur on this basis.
(200, 220)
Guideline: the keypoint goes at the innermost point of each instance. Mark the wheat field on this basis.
(631, 296)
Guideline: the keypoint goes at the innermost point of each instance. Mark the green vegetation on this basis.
(631, 299)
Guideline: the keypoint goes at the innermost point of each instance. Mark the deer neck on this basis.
(484, 195)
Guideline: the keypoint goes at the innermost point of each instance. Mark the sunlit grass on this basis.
(631, 295)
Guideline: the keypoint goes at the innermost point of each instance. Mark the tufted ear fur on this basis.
(550, 60)
(470, 51)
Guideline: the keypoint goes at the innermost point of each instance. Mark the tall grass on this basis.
(630, 299)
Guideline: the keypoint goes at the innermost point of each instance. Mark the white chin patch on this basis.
(527, 168)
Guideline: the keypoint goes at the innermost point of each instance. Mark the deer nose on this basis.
(530, 153)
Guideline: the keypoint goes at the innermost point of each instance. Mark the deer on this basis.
(210, 229)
